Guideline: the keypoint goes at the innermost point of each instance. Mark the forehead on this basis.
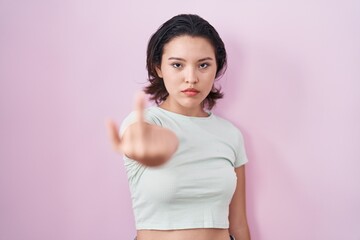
(189, 47)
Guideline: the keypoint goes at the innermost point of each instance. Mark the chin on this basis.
(191, 104)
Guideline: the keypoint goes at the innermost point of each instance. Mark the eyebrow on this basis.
(181, 59)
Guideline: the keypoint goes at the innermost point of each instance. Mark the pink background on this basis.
(292, 86)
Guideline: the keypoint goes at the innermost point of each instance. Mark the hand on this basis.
(148, 144)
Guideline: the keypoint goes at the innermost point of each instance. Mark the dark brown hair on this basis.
(183, 24)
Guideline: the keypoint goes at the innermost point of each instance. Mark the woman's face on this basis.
(188, 68)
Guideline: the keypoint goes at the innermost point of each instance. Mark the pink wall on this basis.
(292, 86)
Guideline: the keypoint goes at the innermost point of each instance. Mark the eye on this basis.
(176, 65)
(204, 65)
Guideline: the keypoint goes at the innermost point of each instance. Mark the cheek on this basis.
(169, 84)
(214, 73)
(172, 77)
(167, 72)
(209, 77)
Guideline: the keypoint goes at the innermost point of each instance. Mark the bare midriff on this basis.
(193, 234)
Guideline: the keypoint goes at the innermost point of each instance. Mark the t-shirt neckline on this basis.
(210, 114)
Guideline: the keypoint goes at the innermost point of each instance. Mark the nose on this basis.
(191, 76)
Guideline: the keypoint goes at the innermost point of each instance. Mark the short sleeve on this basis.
(131, 118)
(133, 168)
(241, 157)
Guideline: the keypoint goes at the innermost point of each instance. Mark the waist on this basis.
(198, 234)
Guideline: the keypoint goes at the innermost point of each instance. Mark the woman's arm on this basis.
(148, 144)
(237, 213)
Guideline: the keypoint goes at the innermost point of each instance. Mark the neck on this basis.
(191, 112)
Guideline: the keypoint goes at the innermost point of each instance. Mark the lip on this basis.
(190, 91)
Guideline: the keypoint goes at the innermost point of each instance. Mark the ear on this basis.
(158, 71)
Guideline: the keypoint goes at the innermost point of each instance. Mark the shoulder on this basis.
(224, 122)
(151, 116)
(228, 126)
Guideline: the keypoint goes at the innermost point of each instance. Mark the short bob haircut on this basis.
(180, 25)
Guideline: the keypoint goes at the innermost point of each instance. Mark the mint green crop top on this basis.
(194, 188)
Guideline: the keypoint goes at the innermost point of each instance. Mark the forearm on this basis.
(241, 232)
(237, 212)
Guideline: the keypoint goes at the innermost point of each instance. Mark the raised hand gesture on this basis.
(146, 143)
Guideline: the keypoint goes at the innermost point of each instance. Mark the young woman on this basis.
(185, 165)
